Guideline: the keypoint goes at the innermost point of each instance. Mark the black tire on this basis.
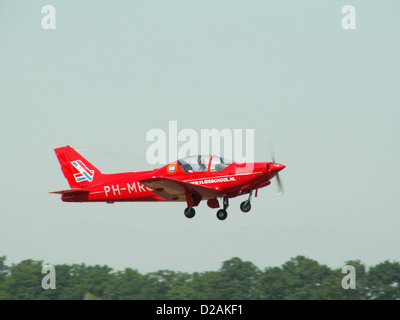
(190, 212)
(222, 214)
(245, 206)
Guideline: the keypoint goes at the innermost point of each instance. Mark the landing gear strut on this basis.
(225, 202)
(189, 212)
(245, 206)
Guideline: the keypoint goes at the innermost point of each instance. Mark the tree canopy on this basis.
(300, 278)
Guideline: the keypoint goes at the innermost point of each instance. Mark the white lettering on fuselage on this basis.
(116, 189)
(135, 187)
(214, 180)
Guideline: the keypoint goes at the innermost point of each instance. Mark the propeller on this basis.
(276, 167)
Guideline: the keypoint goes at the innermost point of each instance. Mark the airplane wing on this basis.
(171, 189)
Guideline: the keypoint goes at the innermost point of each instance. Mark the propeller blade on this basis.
(280, 187)
(278, 180)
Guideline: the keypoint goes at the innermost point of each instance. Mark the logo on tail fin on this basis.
(84, 173)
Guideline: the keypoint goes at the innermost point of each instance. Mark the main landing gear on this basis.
(222, 214)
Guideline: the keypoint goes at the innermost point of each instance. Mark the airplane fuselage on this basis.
(234, 180)
(191, 180)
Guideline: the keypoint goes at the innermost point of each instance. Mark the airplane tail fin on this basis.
(77, 170)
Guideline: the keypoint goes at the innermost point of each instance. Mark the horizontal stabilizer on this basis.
(70, 191)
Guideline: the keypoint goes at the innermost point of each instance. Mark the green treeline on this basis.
(300, 278)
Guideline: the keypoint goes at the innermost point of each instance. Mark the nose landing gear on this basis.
(245, 206)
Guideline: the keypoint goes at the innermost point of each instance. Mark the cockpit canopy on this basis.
(203, 163)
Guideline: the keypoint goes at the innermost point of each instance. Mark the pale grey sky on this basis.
(327, 98)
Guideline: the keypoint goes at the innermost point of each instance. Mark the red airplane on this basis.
(191, 180)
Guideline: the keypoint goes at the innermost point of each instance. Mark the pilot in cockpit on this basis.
(201, 165)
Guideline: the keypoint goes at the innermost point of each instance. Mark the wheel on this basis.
(245, 206)
(222, 214)
(190, 212)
